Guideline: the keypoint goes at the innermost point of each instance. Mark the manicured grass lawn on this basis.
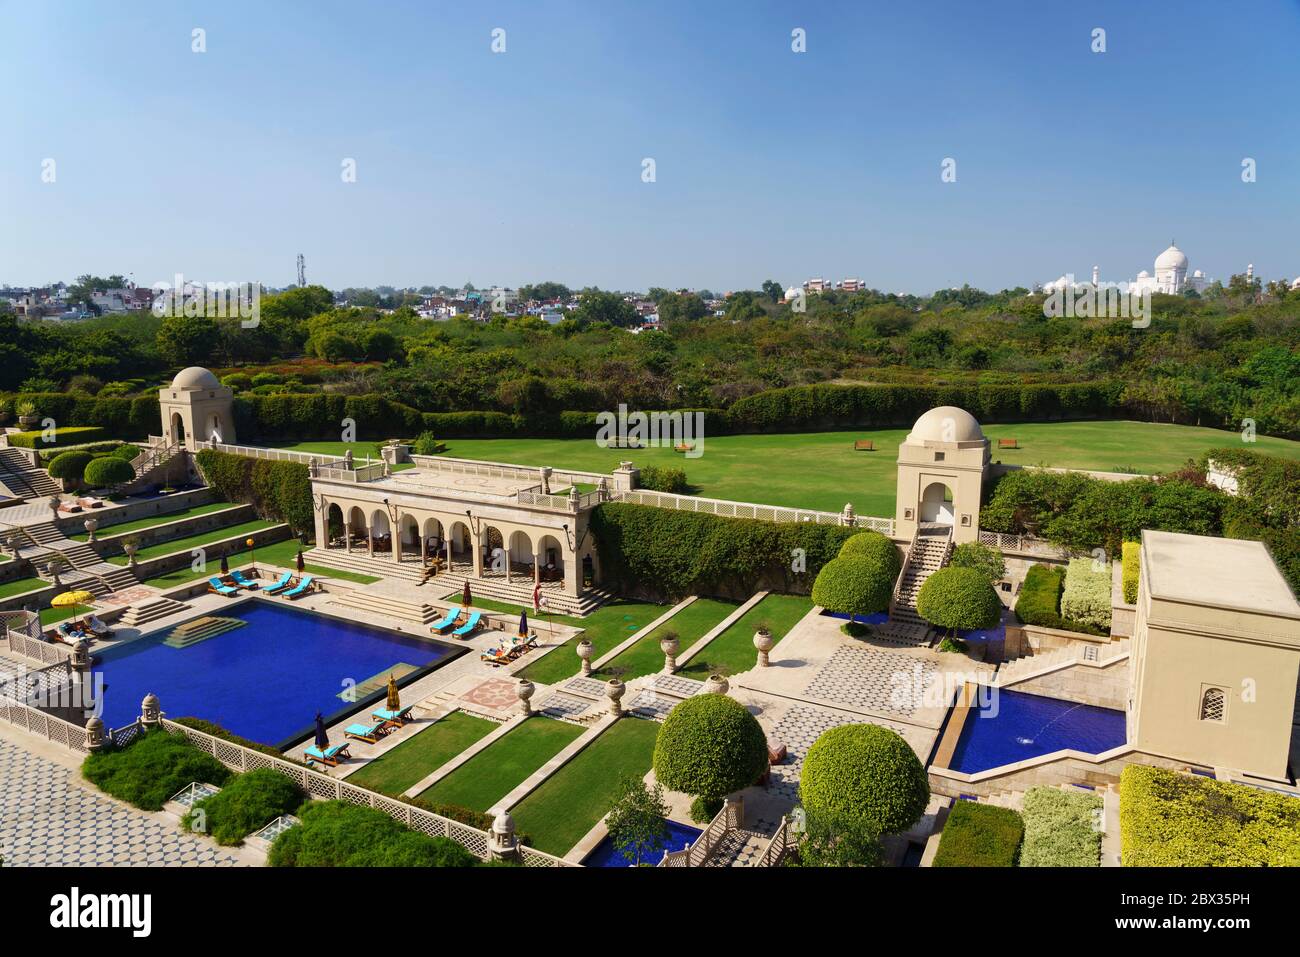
(570, 802)
(396, 770)
(733, 651)
(285, 554)
(52, 616)
(20, 585)
(645, 657)
(360, 450)
(195, 541)
(605, 628)
(501, 767)
(780, 469)
(151, 521)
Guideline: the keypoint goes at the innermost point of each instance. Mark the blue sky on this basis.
(526, 165)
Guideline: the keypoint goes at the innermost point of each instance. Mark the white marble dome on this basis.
(1171, 258)
(946, 423)
(195, 377)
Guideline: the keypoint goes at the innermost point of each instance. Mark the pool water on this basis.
(1012, 726)
(264, 680)
(879, 618)
(605, 854)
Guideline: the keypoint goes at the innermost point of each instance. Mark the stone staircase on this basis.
(22, 479)
(85, 568)
(929, 553)
(201, 629)
(386, 604)
(145, 612)
(151, 466)
(1022, 668)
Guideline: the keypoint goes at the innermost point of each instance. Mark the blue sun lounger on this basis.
(394, 718)
(281, 583)
(330, 755)
(243, 582)
(216, 585)
(367, 732)
(301, 588)
(438, 627)
(471, 626)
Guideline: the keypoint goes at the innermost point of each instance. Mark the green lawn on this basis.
(645, 657)
(820, 469)
(360, 450)
(52, 616)
(20, 585)
(196, 541)
(503, 765)
(733, 651)
(606, 627)
(414, 759)
(153, 520)
(569, 803)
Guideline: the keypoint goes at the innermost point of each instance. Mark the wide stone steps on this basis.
(362, 600)
(22, 479)
(201, 629)
(148, 611)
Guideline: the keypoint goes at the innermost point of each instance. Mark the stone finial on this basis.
(614, 691)
(717, 684)
(503, 843)
(95, 737)
(847, 516)
(670, 644)
(80, 657)
(763, 642)
(585, 650)
(602, 489)
(150, 711)
(90, 525)
(546, 479)
(574, 498)
(524, 689)
(347, 458)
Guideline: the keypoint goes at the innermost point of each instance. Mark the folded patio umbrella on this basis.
(465, 598)
(301, 564)
(225, 565)
(394, 700)
(322, 739)
(523, 623)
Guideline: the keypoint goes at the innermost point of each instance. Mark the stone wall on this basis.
(1105, 686)
(1063, 770)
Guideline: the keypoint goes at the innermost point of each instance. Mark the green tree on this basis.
(188, 340)
(987, 560)
(854, 585)
(863, 775)
(710, 746)
(959, 598)
(596, 307)
(637, 822)
(107, 471)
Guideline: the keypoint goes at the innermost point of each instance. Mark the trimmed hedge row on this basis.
(979, 835)
(1061, 829)
(276, 490)
(1179, 820)
(1086, 595)
(1039, 601)
(119, 417)
(1131, 572)
(248, 803)
(338, 834)
(660, 553)
(63, 435)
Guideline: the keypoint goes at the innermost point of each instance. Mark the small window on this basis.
(1213, 705)
(938, 456)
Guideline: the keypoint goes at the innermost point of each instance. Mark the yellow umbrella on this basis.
(71, 599)
(394, 702)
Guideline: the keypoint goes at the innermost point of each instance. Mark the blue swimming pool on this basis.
(879, 618)
(264, 680)
(605, 854)
(1012, 726)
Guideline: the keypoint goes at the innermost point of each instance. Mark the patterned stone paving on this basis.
(587, 687)
(682, 687)
(47, 819)
(495, 693)
(561, 705)
(866, 678)
(128, 596)
(651, 705)
(798, 728)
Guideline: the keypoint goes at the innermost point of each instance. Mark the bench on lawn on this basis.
(864, 445)
(684, 447)
(1008, 444)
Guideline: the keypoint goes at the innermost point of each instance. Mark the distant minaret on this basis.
(302, 271)
(1250, 271)
(1096, 273)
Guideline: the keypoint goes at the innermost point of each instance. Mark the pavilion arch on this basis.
(936, 504)
(357, 528)
(176, 431)
(492, 540)
(551, 556)
(521, 549)
(333, 522)
(462, 544)
(406, 537)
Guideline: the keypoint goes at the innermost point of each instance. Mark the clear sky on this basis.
(527, 165)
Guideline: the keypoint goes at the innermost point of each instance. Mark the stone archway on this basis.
(333, 524)
(552, 564)
(936, 504)
(176, 430)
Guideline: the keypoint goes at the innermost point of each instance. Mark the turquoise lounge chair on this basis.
(281, 583)
(243, 582)
(330, 755)
(397, 718)
(367, 732)
(438, 627)
(301, 588)
(471, 626)
(216, 585)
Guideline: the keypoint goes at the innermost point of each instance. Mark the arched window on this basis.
(1212, 705)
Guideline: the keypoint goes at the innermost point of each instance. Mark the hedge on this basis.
(1169, 819)
(854, 585)
(659, 478)
(1131, 572)
(151, 769)
(64, 435)
(979, 835)
(276, 490)
(70, 465)
(867, 774)
(874, 545)
(248, 803)
(1061, 828)
(661, 553)
(120, 417)
(1039, 601)
(959, 599)
(709, 746)
(338, 834)
(1087, 593)
(108, 470)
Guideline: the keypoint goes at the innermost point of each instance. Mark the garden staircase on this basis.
(1056, 659)
(148, 611)
(22, 479)
(928, 553)
(82, 566)
(151, 466)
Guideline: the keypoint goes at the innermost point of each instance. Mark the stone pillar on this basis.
(95, 737)
(546, 480)
(625, 477)
(150, 711)
(323, 525)
(370, 540)
(448, 540)
(670, 644)
(503, 843)
(90, 525)
(763, 642)
(476, 553)
(537, 568)
(584, 652)
(347, 536)
(524, 689)
(395, 536)
(614, 691)
(847, 517)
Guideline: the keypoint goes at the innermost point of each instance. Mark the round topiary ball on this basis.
(70, 465)
(710, 745)
(108, 470)
(956, 598)
(875, 546)
(867, 774)
(854, 585)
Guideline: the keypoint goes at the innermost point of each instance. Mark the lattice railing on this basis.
(43, 725)
(281, 455)
(728, 819)
(765, 513)
(777, 847)
(48, 652)
(1021, 543)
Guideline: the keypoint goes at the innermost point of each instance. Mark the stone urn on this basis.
(614, 691)
(763, 642)
(717, 684)
(585, 651)
(52, 569)
(130, 548)
(503, 836)
(29, 422)
(150, 711)
(54, 502)
(670, 644)
(95, 737)
(90, 525)
(524, 689)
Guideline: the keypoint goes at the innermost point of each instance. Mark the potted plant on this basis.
(763, 642)
(27, 416)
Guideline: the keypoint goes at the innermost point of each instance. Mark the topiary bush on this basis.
(867, 774)
(248, 803)
(710, 745)
(1086, 596)
(959, 598)
(1061, 828)
(979, 835)
(338, 834)
(662, 478)
(108, 470)
(987, 560)
(70, 466)
(151, 769)
(875, 546)
(854, 585)
(1132, 562)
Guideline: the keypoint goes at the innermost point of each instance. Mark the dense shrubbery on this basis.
(659, 478)
(1265, 506)
(866, 774)
(879, 548)
(108, 470)
(70, 465)
(248, 803)
(1040, 598)
(151, 769)
(988, 561)
(217, 731)
(1131, 571)
(660, 553)
(979, 835)
(854, 585)
(119, 417)
(959, 599)
(277, 490)
(1061, 828)
(1180, 820)
(64, 435)
(710, 745)
(338, 834)
(1086, 595)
